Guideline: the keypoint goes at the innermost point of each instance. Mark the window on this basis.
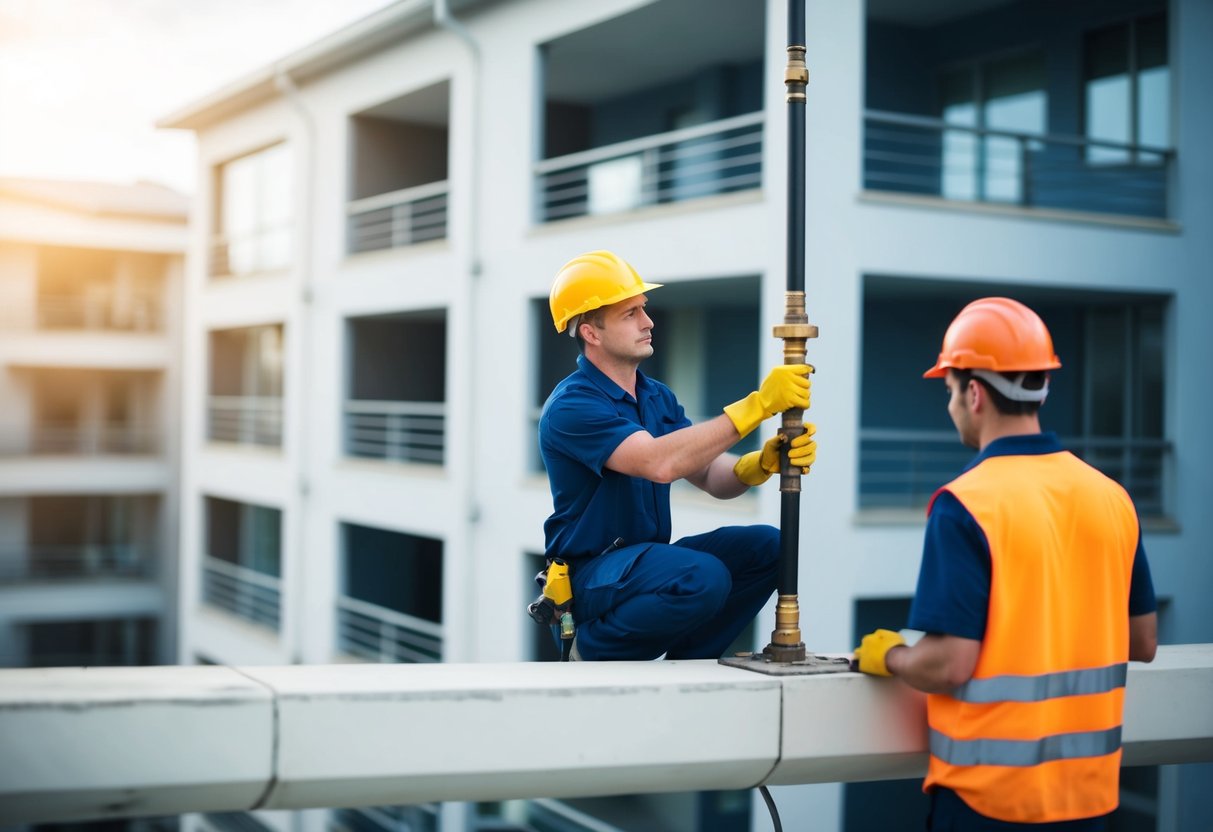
(395, 405)
(1127, 88)
(390, 607)
(253, 207)
(245, 396)
(242, 561)
(1106, 403)
(1006, 94)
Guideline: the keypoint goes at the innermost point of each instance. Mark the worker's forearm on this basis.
(688, 452)
(719, 479)
(935, 664)
(1143, 637)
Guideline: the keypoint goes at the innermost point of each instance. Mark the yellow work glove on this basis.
(757, 466)
(786, 387)
(872, 651)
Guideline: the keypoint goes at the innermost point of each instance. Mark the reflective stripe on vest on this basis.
(1024, 752)
(1046, 686)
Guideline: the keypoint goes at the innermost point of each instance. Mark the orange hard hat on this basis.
(996, 334)
(590, 281)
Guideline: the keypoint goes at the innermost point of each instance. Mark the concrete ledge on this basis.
(112, 742)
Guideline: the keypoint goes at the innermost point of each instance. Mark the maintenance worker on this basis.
(612, 441)
(1034, 592)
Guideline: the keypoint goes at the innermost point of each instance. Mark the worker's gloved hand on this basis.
(872, 650)
(757, 466)
(786, 387)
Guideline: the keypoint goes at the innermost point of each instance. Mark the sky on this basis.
(82, 82)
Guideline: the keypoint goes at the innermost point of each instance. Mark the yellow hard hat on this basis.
(590, 281)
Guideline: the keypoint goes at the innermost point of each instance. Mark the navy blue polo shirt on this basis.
(583, 422)
(953, 593)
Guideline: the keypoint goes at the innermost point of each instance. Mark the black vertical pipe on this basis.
(789, 508)
(796, 154)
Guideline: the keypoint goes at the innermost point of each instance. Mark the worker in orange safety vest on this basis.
(1034, 592)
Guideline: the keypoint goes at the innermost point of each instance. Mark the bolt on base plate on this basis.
(812, 664)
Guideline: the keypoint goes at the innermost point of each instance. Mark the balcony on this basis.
(398, 218)
(903, 468)
(73, 439)
(396, 408)
(78, 562)
(243, 592)
(910, 154)
(972, 103)
(245, 420)
(398, 188)
(681, 119)
(716, 158)
(253, 222)
(378, 634)
(396, 431)
(107, 313)
(244, 401)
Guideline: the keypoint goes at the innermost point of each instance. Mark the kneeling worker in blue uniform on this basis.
(612, 441)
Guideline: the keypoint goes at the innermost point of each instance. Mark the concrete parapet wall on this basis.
(116, 742)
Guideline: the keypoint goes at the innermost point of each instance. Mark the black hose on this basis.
(766, 795)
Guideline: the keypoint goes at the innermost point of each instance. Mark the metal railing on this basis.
(139, 313)
(394, 430)
(248, 420)
(245, 592)
(903, 468)
(373, 632)
(715, 158)
(86, 560)
(265, 249)
(72, 438)
(423, 818)
(398, 218)
(913, 154)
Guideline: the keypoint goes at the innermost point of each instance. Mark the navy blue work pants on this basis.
(949, 813)
(688, 600)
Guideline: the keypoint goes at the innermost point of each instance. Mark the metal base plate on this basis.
(811, 665)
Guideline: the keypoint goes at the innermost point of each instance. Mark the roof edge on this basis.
(370, 34)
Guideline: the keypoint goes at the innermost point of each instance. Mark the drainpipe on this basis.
(286, 85)
(445, 20)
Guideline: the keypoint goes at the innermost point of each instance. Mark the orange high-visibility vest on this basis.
(1034, 736)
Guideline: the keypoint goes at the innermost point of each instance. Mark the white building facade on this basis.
(90, 276)
(380, 216)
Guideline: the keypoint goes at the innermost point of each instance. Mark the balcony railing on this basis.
(903, 468)
(399, 218)
(399, 431)
(715, 158)
(248, 420)
(87, 561)
(423, 818)
(71, 438)
(245, 592)
(135, 314)
(373, 632)
(928, 156)
(265, 249)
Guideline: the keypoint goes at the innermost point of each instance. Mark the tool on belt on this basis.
(554, 606)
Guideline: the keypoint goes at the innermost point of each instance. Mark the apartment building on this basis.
(381, 213)
(90, 281)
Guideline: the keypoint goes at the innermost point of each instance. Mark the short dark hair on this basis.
(594, 318)
(1034, 380)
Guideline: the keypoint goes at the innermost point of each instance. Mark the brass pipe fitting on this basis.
(796, 74)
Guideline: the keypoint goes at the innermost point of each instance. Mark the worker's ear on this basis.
(590, 333)
(977, 395)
